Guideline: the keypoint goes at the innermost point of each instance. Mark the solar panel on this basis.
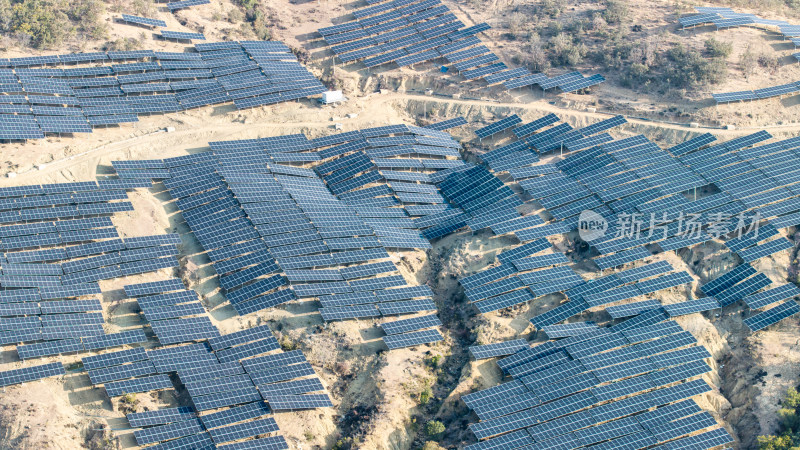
(136, 385)
(24, 375)
(728, 279)
(766, 249)
(774, 315)
(160, 416)
(143, 21)
(568, 329)
(180, 35)
(169, 431)
(412, 339)
(417, 323)
(498, 126)
(115, 358)
(295, 402)
(709, 439)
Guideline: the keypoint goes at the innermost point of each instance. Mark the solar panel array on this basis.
(409, 332)
(773, 91)
(109, 88)
(59, 242)
(408, 32)
(628, 178)
(636, 383)
(276, 232)
(727, 18)
(239, 375)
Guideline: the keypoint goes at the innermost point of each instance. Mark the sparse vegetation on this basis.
(686, 68)
(425, 396)
(256, 13)
(46, 24)
(788, 436)
(433, 361)
(122, 44)
(431, 445)
(287, 344)
(128, 403)
(718, 49)
(616, 11)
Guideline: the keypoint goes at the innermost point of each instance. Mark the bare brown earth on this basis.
(376, 393)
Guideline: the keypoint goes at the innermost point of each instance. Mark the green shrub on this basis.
(776, 443)
(718, 49)
(433, 361)
(425, 397)
(616, 11)
(434, 428)
(687, 68)
(788, 437)
(566, 51)
(43, 23)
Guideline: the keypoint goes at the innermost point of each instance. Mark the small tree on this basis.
(616, 11)
(718, 49)
(425, 396)
(434, 428)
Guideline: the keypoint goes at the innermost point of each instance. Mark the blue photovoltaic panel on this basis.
(244, 430)
(160, 416)
(169, 431)
(17, 376)
(774, 295)
(115, 358)
(136, 385)
(773, 315)
(411, 339)
(498, 126)
(406, 325)
(180, 35)
(143, 21)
